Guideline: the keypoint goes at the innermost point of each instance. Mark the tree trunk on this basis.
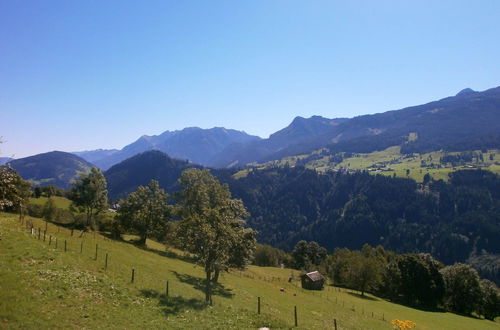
(208, 287)
(142, 240)
(215, 279)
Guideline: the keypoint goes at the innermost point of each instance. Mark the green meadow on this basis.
(59, 202)
(44, 286)
(390, 162)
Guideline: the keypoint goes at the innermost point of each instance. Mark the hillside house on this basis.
(312, 281)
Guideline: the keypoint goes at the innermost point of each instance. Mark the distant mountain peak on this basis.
(466, 91)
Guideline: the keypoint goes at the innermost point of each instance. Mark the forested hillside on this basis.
(452, 221)
(125, 177)
(51, 168)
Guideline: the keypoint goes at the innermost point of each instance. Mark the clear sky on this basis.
(81, 75)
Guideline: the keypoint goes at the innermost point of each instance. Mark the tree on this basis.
(463, 289)
(49, 210)
(89, 194)
(14, 191)
(490, 304)
(268, 256)
(212, 224)
(421, 282)
(365, 272)
(300, 255)
(145, 211)
(305, 255)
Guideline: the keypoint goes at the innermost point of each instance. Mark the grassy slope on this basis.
(60, 202)
(41, 287)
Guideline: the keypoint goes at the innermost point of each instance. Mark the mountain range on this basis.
(468, 120)
(193, 144)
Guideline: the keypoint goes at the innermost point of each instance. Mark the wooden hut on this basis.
(312, 281)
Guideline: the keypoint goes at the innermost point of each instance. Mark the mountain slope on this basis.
(5, 160)
(467, 121)
(93, 156)
(125, 177)
(300, 130)
(40, 280)
(57, 168)
(194, 144)
(470, 120)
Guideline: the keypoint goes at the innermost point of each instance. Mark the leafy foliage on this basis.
(463, 289)
(14, 191)
(145, 211)
(490, 300)
(212, 227)
(306, 255)
(89, 194)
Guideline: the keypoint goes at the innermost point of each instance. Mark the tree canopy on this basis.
(89, 194)
(212, 225)
(145, 211)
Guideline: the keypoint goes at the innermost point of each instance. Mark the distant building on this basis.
(312, 281)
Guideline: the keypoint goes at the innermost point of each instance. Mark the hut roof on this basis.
(315, 276)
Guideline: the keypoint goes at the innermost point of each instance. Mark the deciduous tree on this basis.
(490, 302)
(145, 211)
(89, 194)
(212, 225)
(463, 290)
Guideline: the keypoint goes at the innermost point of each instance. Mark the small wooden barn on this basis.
(312, 281)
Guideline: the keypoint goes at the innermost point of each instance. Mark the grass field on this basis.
(60, 202)
(42, 286)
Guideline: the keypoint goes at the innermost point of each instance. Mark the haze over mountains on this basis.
(468, 120)
(194, 144)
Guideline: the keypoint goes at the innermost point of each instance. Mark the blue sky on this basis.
(77, 75)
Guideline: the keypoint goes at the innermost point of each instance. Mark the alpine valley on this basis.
(420, 179)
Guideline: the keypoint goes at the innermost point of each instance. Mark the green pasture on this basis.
(43, 286)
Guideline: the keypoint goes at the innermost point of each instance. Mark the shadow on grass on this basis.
(136, 243)
(199, 284)
(357, 295)
(173, 305)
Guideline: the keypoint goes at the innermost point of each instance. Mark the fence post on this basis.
(166, 290)
(106, 262)
(335, 323)
(96, 247)
(258, 305)
(38, 233)
(81, 247)
(44, 233)
(64, 245)
(295, 314)
(133, 275)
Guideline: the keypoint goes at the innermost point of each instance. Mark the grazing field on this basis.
(390, 162)
(59, 202)
(44, 286)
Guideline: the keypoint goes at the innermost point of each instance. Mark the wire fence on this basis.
(82, 245)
